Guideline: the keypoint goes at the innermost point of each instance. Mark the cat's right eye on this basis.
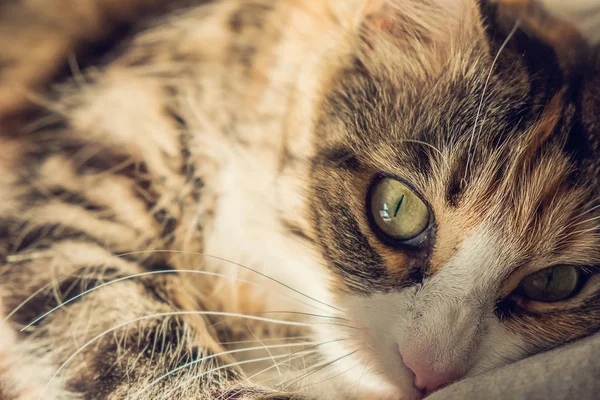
(397, 211)
(551, 284)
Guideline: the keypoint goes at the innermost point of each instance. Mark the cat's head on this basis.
(456, 190)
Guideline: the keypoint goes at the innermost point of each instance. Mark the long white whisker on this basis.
(357, 383)
(142, 274)
(236, 264)
(129, 277)
(291, 357)
(303, 313)
(264, 346)
(332, 377)
(318, 368)
(276, 365)
(170, 314)
(267, 340)
(485, 86)
(18, 258)
(27, 300)
(235, 364)
(203, 359)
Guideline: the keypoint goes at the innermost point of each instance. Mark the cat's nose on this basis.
(425, 378)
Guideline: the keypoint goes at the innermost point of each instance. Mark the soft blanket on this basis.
(568, 373)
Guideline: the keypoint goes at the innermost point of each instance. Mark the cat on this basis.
(288, 199)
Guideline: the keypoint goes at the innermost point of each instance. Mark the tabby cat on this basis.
(292, 199)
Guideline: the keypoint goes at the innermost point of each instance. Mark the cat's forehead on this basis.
(480, 158)
(487, 75)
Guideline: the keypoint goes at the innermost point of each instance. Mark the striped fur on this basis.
(185, 216)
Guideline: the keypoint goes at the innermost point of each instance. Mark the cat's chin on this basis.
(391, 395)
(385, 390)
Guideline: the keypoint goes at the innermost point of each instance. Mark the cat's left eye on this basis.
(551, 284)
(397, 211)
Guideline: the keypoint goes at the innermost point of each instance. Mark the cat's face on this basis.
(456, 199)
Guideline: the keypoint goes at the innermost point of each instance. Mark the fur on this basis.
(185, 216)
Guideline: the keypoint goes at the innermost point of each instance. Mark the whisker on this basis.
(332, 377)
(129, 277)
(485, 86)
(317, 369)
(264, 346)
(41, 123)
(235, 364)
(303, 313)
(357, 383)
(203, 359)
(171, 314)
(27, 300)
(125, 278)
(75, 70)
(238, 265)
(263, 382)
(267, 340)
(291, 357)
(276, 365)
(23, 257)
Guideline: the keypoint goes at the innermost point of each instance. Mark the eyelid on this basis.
(418, 240)
(381, 176)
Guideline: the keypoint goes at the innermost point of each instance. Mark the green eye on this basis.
(551, 284)
(397, 211)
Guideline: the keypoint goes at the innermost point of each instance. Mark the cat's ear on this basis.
(559, 48)
(557, 22)
(528, 29)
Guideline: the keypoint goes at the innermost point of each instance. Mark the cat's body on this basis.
(241, 140)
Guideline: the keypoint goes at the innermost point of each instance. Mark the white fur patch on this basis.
(448, 322)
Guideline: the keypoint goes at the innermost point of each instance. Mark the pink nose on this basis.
(425, 378)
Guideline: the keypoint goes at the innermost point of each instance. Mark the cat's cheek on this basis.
(498, 348)
(380, 319)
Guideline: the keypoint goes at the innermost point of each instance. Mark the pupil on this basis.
(399, 205)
